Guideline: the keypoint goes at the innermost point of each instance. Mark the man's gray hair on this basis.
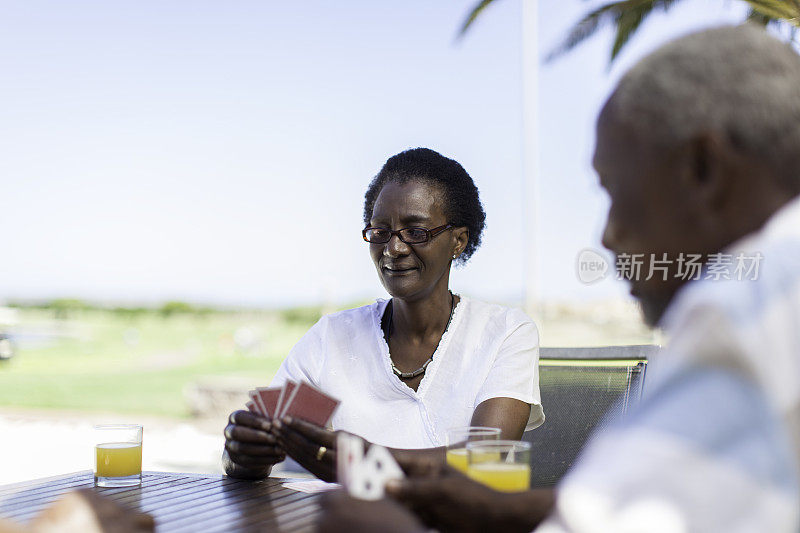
(737, 81)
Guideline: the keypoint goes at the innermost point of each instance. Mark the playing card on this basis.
(251, 406)
(383, 463)
(369, 477)
(364, 484)
(257, 402)
(310, 404)
(349, 453)
(286, 391)
(269, 399)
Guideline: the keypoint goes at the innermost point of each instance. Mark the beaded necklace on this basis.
(420, 370)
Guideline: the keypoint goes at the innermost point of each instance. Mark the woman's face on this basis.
(414, 271)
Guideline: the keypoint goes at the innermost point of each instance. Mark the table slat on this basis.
(180, 502)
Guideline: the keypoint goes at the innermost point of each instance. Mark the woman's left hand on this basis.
(313, 447)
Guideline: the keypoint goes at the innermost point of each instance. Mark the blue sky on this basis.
(219, 151)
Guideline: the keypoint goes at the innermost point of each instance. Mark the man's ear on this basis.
(706, 171)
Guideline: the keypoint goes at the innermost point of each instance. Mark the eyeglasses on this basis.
(407, 235)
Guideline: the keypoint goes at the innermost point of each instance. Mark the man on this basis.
(699, 150)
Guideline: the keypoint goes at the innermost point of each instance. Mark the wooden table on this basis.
(181, 502)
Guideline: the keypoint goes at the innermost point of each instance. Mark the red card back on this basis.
(269, 398)
(286, 392)
(259, 408)
(311, 404)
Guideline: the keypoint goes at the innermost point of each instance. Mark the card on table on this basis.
(310, 404)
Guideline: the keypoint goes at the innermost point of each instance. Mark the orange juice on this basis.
(505, 477)
(457, 458)
(118, 459)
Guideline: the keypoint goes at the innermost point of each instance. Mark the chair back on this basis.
(582, 390)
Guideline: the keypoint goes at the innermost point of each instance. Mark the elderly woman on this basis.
(409, 368)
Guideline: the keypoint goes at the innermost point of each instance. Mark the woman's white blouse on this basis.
(489, 351)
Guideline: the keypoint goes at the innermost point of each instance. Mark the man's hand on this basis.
(85, 511)
(250, 448)
(304, 441)
(341, 513)
(421, 463)
(450, 501)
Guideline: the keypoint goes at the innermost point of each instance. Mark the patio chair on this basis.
(579, 387)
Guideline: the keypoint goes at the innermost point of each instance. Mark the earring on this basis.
(455, 255)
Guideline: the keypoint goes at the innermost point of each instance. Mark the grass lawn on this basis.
(142, 363)
(104, 361)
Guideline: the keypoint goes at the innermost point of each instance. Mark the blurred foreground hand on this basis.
(342, 513)
(84, 511)
(447, 500)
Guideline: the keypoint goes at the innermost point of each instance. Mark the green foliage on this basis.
(102, 361)
(70, 307)
(476, 11)
(627, 17)
(130, 312)
(175, 308)
(66, 307)
(302, 315)
(776, 9)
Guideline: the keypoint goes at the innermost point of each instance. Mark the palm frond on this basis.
(586, 27)
(626, 15)
(476, 11)
(759, 18)
(627, 24)
(788, 11)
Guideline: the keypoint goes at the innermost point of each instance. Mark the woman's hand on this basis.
(250, 448)
(311, 446)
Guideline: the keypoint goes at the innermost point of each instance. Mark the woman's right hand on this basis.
(250, 448)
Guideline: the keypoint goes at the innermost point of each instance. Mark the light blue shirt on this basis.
(714, 445)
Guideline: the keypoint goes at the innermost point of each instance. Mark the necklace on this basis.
(424, 367)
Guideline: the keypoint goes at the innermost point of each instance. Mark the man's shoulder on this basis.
(747, 326)
(752, 275)
(748, 295)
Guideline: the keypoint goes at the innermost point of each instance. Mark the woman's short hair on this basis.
(462, 201)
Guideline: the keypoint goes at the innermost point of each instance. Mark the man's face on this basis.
(649, 213)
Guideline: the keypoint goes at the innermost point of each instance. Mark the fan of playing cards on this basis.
(301, 400)
(364, 475)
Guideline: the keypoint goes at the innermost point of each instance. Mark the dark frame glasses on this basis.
(413, 235)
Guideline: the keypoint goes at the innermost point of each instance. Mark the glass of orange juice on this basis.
(457, 439)
(117, 455)
(503, 465)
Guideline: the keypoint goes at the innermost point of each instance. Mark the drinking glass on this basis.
(118, 455)
(457, 439)
(503, 465)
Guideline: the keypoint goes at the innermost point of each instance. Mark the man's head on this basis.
(697, 146)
